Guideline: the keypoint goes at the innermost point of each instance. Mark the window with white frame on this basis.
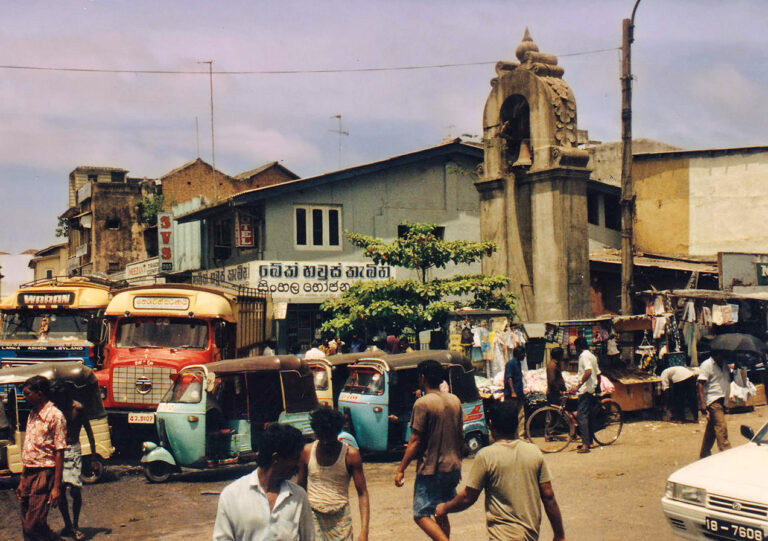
(317, 227)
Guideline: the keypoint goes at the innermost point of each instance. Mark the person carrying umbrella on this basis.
(714, 384)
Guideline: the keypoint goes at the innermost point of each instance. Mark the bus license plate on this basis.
(729, 530)
(141, 418)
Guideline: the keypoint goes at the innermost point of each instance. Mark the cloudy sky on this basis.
(699, 68)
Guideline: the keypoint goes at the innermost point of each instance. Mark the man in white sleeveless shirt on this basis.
(327, 465)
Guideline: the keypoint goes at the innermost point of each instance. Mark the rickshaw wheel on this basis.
(157, 471)
(95, 472)
(474, 443)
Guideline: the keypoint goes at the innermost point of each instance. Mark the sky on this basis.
(700, 73)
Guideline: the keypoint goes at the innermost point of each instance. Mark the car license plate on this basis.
(730, 530)
(141, 418)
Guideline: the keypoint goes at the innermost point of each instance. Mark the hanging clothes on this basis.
(689, 311)
(499, 359)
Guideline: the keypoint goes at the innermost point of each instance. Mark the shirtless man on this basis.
(77, 419)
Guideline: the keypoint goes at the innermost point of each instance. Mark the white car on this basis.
(724, 496)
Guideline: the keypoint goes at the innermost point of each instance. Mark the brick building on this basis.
(195, 179)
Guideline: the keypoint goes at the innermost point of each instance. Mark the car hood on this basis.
(740, 473)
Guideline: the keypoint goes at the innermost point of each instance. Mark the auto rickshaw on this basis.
(214, 414)
(331, 373)
(84, 387)
(380, 391)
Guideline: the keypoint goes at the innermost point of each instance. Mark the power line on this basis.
(277, 72)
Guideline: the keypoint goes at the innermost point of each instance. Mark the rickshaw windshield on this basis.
(365, 381)
(62, 325)
(162, 332)
(321, 378)
(187, 389)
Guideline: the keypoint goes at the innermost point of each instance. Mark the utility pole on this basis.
(627, 192)
(213, 146)
(340, 132)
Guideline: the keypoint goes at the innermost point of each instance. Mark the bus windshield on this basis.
(162, 332)
(187, 389)
(365, 381)
(62, 325)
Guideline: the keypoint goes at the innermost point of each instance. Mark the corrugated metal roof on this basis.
(613, 257)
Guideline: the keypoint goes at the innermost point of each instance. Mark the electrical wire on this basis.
(275, 72)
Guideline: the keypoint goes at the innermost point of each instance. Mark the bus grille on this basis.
(128, 381)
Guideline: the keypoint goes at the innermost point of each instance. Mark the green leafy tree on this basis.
(149, 206)
(419, 304)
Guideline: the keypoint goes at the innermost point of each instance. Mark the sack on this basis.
(606, 385)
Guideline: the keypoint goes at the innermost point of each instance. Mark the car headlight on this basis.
(685, 493)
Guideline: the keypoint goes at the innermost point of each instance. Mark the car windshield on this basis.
(187, 389)
(61, 325)
(365, 381)
(162, 332)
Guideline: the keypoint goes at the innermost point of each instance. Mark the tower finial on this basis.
(526, 45)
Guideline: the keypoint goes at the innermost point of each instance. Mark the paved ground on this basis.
(612, 493)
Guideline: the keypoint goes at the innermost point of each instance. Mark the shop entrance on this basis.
(302, 324)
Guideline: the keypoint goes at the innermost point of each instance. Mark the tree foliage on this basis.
(149, 206)
(419, 304)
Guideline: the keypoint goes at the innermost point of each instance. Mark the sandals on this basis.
(74, 533)
(582, 450)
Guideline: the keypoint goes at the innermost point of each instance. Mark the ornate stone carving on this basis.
(564, 105)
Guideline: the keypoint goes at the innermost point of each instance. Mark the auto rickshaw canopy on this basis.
(404, 361)
(80, 380)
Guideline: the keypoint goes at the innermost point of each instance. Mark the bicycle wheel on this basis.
(607, 422)
(550, 429)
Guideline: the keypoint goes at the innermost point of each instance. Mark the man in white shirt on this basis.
(714, 385)
(588, 386)
(265, 504)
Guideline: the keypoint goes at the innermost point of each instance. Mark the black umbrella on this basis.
(734, 341)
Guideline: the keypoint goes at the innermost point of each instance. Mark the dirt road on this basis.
(610, 494)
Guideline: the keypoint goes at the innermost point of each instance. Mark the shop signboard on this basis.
(762, 274)
(297, 280)
(243, 231)
(165, 240)
(148, 267)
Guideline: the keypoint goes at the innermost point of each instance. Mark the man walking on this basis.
(327, 465)
(436, 440)
(265, 504)
(515, 479)
(714, 385)
(43, 458)
(588, 382)
(77, 419)
(513, 383)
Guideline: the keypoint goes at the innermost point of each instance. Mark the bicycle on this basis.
(552, 428)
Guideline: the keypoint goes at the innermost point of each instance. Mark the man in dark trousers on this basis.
(437, 439)
(513, 383)
(43, 458)
(516, 483)
(77, 419)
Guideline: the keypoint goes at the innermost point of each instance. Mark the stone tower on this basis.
(533, 201)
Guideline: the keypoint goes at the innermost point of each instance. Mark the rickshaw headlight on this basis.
(147, 446)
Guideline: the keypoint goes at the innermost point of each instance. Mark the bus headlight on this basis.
(685, 493)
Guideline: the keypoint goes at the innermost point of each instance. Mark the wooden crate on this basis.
(634, 396)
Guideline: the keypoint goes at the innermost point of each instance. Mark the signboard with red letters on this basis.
(243, 231)
(165, 240)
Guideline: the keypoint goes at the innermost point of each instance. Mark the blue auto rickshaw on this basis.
(380, 391)
(214, 414)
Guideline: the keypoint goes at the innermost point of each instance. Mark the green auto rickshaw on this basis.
(214, 414)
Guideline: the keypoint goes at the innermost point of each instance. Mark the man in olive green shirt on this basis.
(515, 479)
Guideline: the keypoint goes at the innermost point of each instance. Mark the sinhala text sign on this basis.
(296, 280)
